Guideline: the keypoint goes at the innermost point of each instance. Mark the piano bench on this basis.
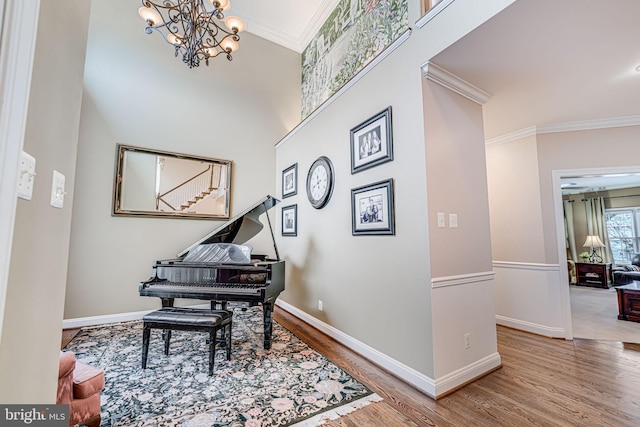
(189, 319)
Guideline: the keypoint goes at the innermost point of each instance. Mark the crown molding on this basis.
(295, 42)
(615, 122)
(273, 35)
(513, 136)
(318, 19)
(452, 82)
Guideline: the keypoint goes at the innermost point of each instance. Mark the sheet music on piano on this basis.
(220, 268)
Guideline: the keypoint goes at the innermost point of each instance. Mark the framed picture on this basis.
(290, 181)
(372, 209)
(371, 142)
(290, 220)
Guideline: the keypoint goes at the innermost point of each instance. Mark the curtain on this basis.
(596, 225)
(569, 232)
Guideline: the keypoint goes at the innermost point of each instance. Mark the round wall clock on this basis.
(320, 182)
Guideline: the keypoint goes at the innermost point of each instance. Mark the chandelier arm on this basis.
(190, 28)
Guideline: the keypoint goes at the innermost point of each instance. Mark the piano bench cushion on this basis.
(187, 318)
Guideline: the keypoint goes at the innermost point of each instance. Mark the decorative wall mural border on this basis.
(353, 35)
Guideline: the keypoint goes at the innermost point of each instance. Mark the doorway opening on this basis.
(590, 312)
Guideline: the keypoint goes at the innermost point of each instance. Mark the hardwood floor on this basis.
(543, 382)
(67, 336)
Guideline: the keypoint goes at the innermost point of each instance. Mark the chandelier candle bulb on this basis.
(174, 39)
(229, 45)
(221, 4)
(150, 16)
(235, 24)
(196, 29)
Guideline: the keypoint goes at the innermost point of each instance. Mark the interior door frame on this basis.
(557, 175)
(19, 25)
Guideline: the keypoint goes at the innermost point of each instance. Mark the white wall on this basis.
(29, 354)
(137, 93)
(516, 228)
(377, 289)
(462, 298)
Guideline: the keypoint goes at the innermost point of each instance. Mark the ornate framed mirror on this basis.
(156, 183)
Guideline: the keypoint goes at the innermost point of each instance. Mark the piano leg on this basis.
(166, 334)
(267, 309)
(218, 305)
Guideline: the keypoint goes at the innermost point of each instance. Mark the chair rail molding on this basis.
(462, 279)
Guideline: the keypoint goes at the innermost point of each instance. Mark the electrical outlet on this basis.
(467, 341)
(320, 307)
(453, 220)
(26, 176)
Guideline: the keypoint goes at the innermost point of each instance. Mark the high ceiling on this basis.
(547, 62)
(290, 23)
(544, 62)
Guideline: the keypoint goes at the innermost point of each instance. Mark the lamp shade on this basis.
(593, 242)
(150, 15)
(234, 23)
(229, 45)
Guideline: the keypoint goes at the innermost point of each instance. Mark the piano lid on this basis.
(241, 227)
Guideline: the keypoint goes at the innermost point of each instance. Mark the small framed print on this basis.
(372, 209)
(290, 181)
(290, 220)
(371, 142)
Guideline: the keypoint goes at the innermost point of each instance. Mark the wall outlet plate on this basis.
(57, 190)
(26, 177)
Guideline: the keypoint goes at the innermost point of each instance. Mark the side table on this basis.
(629, 301)
(590, 274)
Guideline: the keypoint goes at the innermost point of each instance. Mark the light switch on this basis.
(26, 176)
(453, 220)
(57, 190)
(441, 223)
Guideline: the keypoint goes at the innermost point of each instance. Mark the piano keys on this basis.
(219, 268)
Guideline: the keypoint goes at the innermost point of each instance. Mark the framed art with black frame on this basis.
(372, 142)
(290, 181)
(372, 209)
(290, 220)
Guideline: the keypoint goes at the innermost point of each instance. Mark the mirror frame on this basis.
(117, 210)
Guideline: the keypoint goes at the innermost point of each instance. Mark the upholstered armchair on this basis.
(79, 386)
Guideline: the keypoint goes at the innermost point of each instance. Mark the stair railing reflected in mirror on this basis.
(157, 183)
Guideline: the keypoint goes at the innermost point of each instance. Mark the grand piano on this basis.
(219, 268)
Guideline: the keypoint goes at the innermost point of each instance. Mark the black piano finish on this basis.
(260, 282)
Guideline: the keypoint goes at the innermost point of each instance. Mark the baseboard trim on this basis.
(429, 386)
(463, 376)
(530, 327)
(81, 322)
(410, 375)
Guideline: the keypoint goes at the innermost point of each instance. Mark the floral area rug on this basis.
(290, 384)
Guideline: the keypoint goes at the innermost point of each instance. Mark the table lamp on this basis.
(594, 242)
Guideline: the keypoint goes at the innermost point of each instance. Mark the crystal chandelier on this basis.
(193, 28)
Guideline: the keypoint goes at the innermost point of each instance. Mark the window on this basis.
(622, 230)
